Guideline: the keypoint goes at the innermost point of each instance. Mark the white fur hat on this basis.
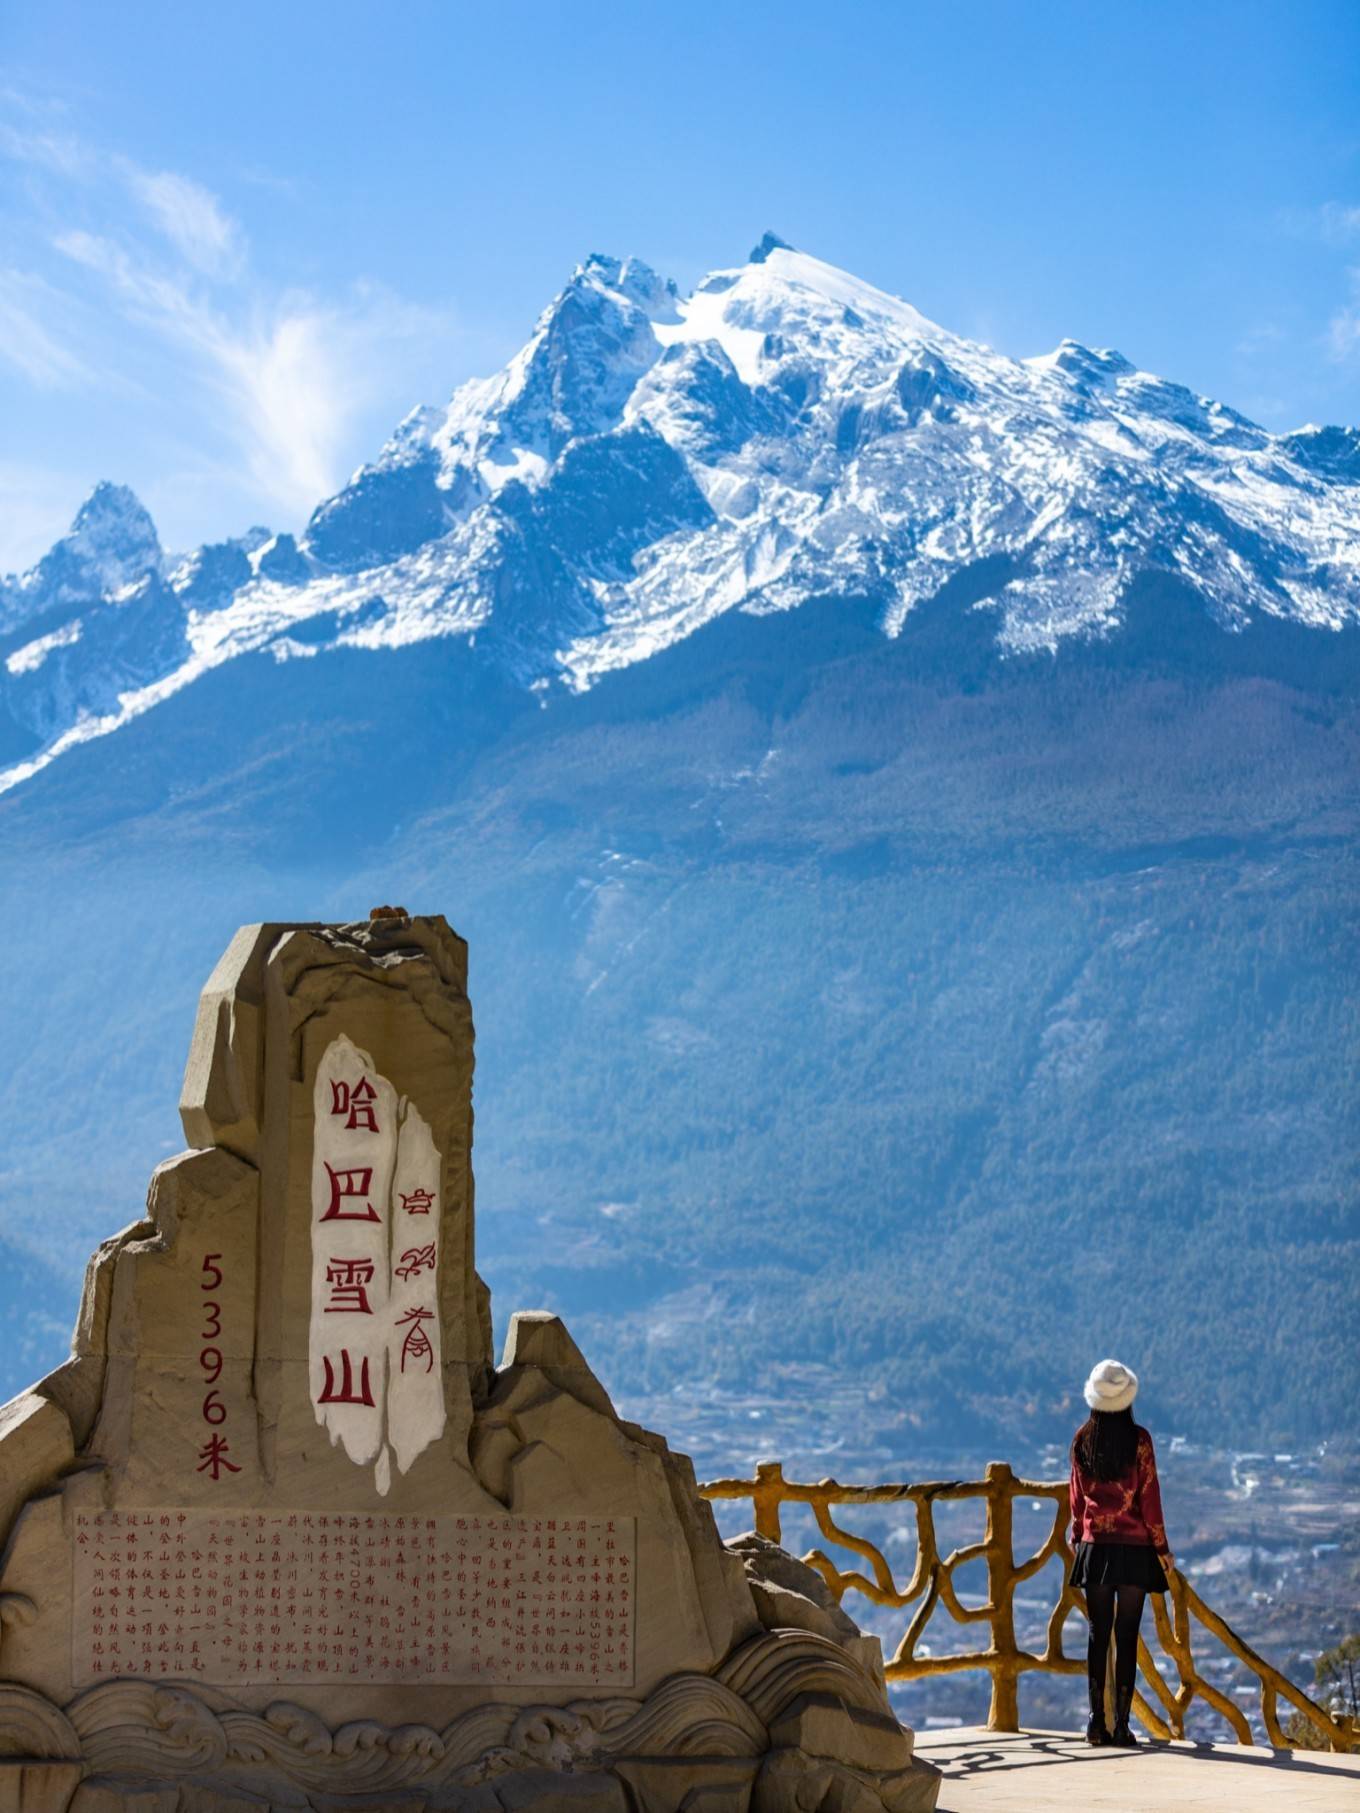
(1110, 1386)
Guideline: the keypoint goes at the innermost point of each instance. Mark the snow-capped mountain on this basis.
(648, 462)
(112, 544)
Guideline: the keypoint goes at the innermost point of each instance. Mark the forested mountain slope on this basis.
(888, 1004)
(901, 801)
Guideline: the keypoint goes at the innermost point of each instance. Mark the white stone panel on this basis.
(354, 1153)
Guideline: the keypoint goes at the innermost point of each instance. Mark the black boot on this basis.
(1121, 1736)
(1096, 1731)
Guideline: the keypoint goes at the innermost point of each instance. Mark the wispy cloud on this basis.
(42, 149)
(28, 340)
(1339, 222)
(268, 382)
(190, 217)
(291, 372)
(1334, 222)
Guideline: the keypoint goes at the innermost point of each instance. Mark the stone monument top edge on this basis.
(221, 1094)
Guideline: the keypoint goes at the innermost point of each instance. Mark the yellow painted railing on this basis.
(1159, 1707)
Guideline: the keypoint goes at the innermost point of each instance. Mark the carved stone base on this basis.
(789, 1724)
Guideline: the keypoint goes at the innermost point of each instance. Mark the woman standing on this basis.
(1119, 1538)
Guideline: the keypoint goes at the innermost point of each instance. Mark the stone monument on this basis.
(280, 1534)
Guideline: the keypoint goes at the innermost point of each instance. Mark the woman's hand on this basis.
(1169, 1562)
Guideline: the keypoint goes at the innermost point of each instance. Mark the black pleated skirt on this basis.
(1118, 1564)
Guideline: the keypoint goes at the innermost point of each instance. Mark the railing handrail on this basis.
(1003, 1660)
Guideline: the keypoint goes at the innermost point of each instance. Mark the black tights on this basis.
(1101, 1603)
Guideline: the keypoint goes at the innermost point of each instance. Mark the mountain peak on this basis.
(629, 278)
(107, 502)
(769, 242)
(111, 543)
(1090, 367)
(112, 533)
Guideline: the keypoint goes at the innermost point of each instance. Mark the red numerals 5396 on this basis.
(212, 1456)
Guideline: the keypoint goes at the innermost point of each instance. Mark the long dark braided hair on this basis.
(1106, 1445)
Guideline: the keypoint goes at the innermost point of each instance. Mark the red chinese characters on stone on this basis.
(212, 1457)
(350, 1185)
(417, 1202)
(356, 1106)
(345, 1392)
(416, 1345)
(348, 1280)
(277, 1596)
(416, 1259)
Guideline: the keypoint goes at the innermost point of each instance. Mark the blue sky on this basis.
(237, 243)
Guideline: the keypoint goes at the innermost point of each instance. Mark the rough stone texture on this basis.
(826, 1726)
(104, 1794)
(200, 1202)
(36, 1441)
(200, 1324)
(790, 1595)
(791, 1782)
(37, 1787)
(539, 1788)
(911, 1790)
(687, 1784)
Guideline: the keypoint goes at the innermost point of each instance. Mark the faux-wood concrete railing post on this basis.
(1004, 1714)
(766, 1499)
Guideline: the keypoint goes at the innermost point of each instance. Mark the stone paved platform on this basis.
(988, 1772)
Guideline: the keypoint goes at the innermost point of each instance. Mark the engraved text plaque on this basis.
(231, 1597)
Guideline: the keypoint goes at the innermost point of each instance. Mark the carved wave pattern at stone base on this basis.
(691, 1715)
(772, 1670)
(32, 1726)
(139, 1728)
(138, 1725)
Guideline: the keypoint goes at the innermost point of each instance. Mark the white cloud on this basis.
(190, 217)
(1335, 223)
(52, 151)
(155, 294)
(292, 372)
(28, 340)
(1340, 221)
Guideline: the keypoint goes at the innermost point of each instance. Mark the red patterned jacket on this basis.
(1128, 1509)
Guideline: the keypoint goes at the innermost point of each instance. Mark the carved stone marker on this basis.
(280, 1534)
